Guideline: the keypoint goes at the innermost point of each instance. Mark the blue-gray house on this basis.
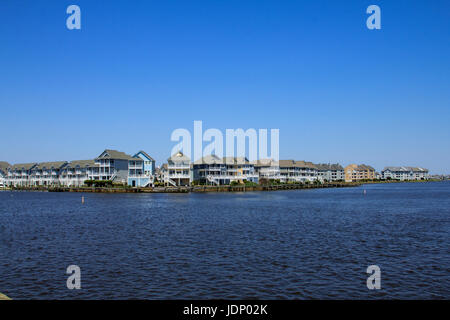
(141, 170)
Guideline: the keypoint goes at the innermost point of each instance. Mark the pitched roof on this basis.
(296, 164)
(265, 163)
(235, 160)
(145, 154)
(49, 165)
(328, 166)
(405, 169)
(179, 156)
(305, 164)
(114, 154)
(360, 167)
(81, 163)
(394, 169)
(287, 163)
(365, 167)
(4, 165)
(209, 159)
(24, 166)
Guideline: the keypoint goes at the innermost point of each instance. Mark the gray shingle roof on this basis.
(4, 165)
(114, 154)
(81, 163)
(287, 163)
(360, 167)
(296, 164)
(49, 165)
(209, 159)
(235, 160)
(405, 169)
(365, 167)
(305, 164)
(328, 166)
(24, 166)
(265, 163)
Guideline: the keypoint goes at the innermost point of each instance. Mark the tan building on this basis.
(354, 172)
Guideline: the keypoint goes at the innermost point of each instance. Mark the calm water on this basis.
(271, 245)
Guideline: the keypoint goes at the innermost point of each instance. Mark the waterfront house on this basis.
(222, 171)
(405, 173)
(46, 173)
(330, 172)
(75, 173)
(210, 170)
(178, 170)
(18, 174)
(268, 169)
(239, 169)
(3, 173)
(141, 170)
(354, 172)
(113, 165)
(297, 171)
(421, 173)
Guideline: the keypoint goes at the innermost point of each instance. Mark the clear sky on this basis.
(137, 70)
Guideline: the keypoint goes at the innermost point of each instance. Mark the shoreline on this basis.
(193, 189)
(203, 189)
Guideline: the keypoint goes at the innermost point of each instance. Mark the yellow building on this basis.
(354, 172)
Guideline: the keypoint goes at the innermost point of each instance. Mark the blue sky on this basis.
(137, 70)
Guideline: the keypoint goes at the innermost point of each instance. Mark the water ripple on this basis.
(303, 244)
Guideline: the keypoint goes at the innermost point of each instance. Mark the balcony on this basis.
(185, 167)
(232, 177)
(139, 176)
(179, 176)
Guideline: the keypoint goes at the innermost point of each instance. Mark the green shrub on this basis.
(98, 183)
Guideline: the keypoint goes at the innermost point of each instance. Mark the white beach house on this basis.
(298, 171)
(177, 172)
(405, 173)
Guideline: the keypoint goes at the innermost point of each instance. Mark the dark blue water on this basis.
(271, 245)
